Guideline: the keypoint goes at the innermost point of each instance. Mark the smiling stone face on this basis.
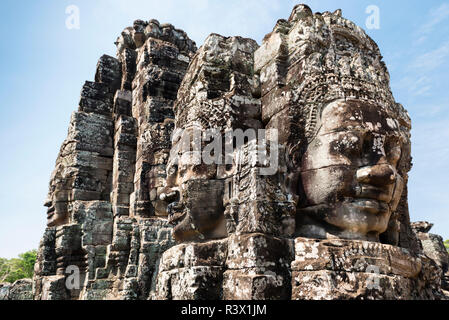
(57, 199)
(349, 172)
(194, 196)
(216, 95)
(347, 139)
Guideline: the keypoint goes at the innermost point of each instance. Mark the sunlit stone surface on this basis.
(131, 216)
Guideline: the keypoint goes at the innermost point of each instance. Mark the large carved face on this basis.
(194, 195)
(349, 172)
(56, 202)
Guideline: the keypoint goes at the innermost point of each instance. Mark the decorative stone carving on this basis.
(325, 87)
(215, 94)
(143, 208)
(348, 269)
(19, 290)
(433, 247)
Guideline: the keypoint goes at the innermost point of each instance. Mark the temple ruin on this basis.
(135, 213)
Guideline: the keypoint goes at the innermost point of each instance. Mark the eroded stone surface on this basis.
(433, 247)
(348, 269)
(136, 218)
(19, 290)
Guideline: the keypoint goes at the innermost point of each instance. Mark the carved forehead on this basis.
(354, 114)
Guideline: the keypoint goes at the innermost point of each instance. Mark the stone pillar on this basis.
(161, 62)
(125, 144)
(192, 272)
(83, 177)
(259, 251)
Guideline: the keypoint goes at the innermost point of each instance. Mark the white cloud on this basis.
(432, 59)
(430, 143)
(436, 16)
(415, 85)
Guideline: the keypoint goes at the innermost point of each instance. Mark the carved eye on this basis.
(349, 144)
(393, 150)
(369, 144)
(372, 148)
(173, 170)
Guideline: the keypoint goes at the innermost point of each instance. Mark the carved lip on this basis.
(370, 192)
(175, 213)
(373, 206)
(50, 212)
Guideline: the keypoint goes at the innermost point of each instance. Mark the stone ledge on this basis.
(330, 285)
(210, 254)
(354, 256)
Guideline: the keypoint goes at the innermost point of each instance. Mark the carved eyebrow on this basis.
(393, 137)
(340, 31)
(345, 129)
(362, 131)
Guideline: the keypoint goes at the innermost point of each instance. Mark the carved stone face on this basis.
(56, 202)
(349, 173)
(195, 197)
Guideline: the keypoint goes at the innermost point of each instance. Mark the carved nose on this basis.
(169, 196)
(48, 203)
(377, 175)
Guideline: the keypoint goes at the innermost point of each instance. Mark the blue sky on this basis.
(43, 66)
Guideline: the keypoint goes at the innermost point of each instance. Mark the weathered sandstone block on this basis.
(301, 195)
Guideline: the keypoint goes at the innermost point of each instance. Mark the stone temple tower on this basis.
(132, 217)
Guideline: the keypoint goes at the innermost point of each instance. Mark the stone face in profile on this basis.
(195, 199)
(84, 163)
(56, 202)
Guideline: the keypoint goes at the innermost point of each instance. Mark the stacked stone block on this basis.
(107, 216)
(100, 168)
(259, 251)
(163, 54)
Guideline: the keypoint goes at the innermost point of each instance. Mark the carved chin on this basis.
(361, 219)
(54, 219)
(183, 226)
(362, 216)
(185, 230)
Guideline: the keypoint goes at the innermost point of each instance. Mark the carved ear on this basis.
(312, 123)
